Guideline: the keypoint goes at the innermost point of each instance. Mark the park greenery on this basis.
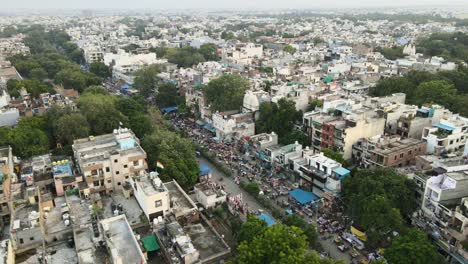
(392, 53)
(188, 56)
(226, 92)
(450, 46)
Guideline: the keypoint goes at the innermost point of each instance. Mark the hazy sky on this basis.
(238, 4)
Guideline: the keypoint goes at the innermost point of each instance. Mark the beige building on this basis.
(107, 161)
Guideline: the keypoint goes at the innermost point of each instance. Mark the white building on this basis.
(209, 194)
(233, 125)
(151, 195)
(449, 135)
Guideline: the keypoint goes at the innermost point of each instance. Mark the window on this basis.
(109, 181)
(31, 238)
(117, 172)
(119, 183)
(96, 183)
(401, 155)
(107, 169)
(158, 203)
(115, 161)
(395, 157)
(125, 166)
(136, 162)
(94, 172)
(21, 241)
(126, 177)
(410, 152)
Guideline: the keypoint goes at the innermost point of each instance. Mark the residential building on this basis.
(64, 178)
(151, 194)
(209, 194)
(447, 136)
(120, 241)
(387, 151)
(320, 174)
(7, 175)
(340, 132)
(411, 124)
(233, 125)
(107, 161)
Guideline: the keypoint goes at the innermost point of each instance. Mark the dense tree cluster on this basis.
(447, 88)
(53, 57)
(450, 46)
(377, 200)
(278, 244)
(392, 53)
(186, 57)
(226, 92)
(280, 118)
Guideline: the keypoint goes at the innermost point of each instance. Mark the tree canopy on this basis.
(146, 79)
(279, 118)
(100, 69)
(226, 92)
(413, 247)
(377, 199)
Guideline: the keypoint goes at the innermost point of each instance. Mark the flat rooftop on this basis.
(181, 202)
(121, 242)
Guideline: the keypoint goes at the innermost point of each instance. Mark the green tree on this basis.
(100, 69)
(38, 74)
(413, 247)
(95, 89)
(377, 199)
(146, 79)
(278, 244)
(279, 118)
(309, 230)
(289, 49)
(209, 51)
(226, 92)
(175, 153)
(168, 95)
(438, 91)
(28, 138)
(71, 79)
(70, 127)
(335, 156)
(392, 53)
(252, 228)
(101, 113)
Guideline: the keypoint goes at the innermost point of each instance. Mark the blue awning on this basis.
(442, 126)
(209, 127)
(302, 196)
(204, 170)
(267, 219)
(169, 109)
(342, 171)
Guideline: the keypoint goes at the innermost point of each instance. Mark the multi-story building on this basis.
(235, 125)
(341, 131)
(412, 124)
(64, 178)
(387, 151)
(151, 195)
(6, 176)
(209, 194)
(107, 161)
(447, 136)
(319, 174)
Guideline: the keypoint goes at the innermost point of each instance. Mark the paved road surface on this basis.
(232, 187)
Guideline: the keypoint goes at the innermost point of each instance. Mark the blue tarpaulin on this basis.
(267, 219)
(204, 170)
(169, 109)
(445, 127)
(209, 127)
(302, 196)
(126, 87)
(342, 172)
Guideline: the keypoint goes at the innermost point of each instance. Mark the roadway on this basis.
(231, 187)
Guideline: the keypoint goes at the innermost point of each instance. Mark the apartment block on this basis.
(447, 136)
(107, 161)
(385, 151)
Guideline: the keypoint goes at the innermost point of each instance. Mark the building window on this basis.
(94, 172)
(109, 181)
(21, 241)
(119, 183)
(126, 177)
(107, 169)
(115, 161)
(401, 155)
(158, 203)
(96, 183)
(31, 238)
(125, 166)
(395, 157)
(410, 152)
(117, 172)
(136, 162)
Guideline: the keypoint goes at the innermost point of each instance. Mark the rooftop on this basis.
(120, 240)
